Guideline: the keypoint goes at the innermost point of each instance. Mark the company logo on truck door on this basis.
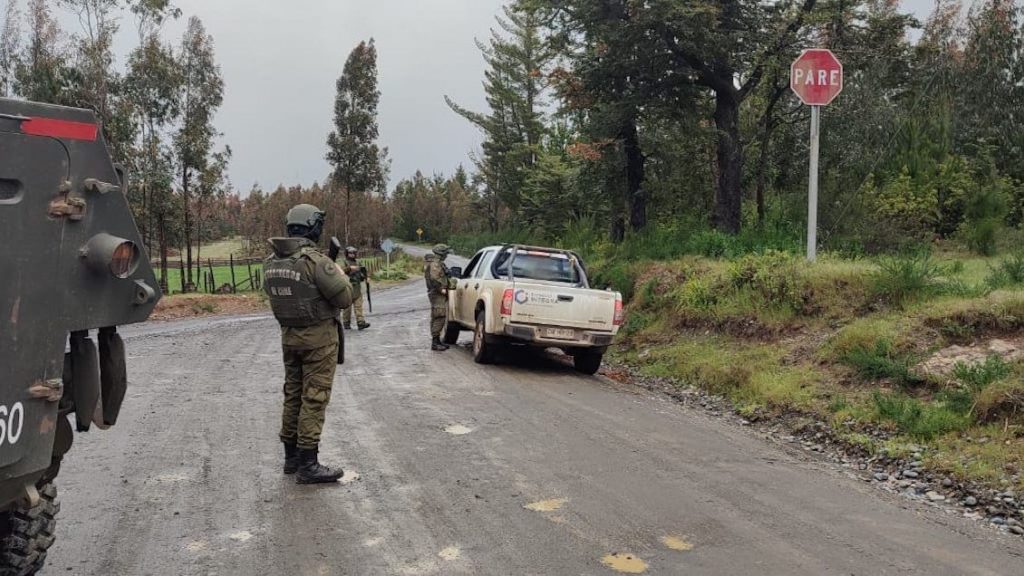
(521, 297)
(524, 296)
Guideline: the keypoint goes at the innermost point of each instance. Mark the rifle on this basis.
(369, 298)
(333, 249)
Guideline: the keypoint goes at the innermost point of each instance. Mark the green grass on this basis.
(221, 275)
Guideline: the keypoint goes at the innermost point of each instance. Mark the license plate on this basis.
(560, 333)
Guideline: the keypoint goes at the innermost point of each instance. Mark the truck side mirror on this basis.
(456, 272)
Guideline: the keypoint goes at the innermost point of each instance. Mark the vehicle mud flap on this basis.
(113, 377)
(85, 377)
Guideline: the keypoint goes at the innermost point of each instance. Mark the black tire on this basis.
(587, 362)
(450, 335)
(26, 534)
(483, 352)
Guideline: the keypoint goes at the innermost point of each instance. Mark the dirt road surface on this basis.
(520, 468)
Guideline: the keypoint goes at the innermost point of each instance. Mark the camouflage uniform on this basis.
(309, 335)
(435, 273)
(352, 267)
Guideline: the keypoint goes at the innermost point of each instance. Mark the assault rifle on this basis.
(333, 249)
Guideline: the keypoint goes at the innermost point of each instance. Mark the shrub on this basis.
(620, 277)
(917, 419)
(1009, 272)
(880, 362)
(775, 276)
(900, 280)
(1003, 399)
(979, 376)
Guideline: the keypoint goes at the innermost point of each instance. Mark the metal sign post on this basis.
(816, 77)
(812, 186)
(388, 247)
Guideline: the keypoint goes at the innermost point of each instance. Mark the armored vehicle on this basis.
(72, 269)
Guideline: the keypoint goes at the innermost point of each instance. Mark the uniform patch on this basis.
(330, 268)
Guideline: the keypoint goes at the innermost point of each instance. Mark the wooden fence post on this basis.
(231, 260)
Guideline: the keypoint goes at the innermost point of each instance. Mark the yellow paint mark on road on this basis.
(373, 542)
(196, 547)
(349, 477)
(624, 563)
(458, 430)
(547, 505)
(243, 536)
(677, 543)
(450, 553)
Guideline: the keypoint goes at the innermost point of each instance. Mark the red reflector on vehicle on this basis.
(59, 129)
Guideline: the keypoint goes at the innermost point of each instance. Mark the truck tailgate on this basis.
(537, 303)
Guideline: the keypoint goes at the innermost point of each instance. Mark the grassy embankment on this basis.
(855, 342)
(845, 341)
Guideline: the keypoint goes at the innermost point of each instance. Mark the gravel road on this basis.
(453, 468)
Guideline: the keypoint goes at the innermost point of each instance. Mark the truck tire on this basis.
(26, 534)
(587, 362)
(483, 352)
(450, 336)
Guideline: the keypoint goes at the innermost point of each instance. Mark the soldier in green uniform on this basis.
(307, 291)
(355, 274)
(436, 274)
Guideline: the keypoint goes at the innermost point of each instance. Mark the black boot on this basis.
(363, 325)
(348, 325)
(291, 458)
(437, 346)
(311, 471)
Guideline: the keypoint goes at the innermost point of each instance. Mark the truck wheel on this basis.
(27, 533)
(450, 336)
(587, 362)
(482, 351)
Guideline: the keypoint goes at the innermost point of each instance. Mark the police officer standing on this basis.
(307, 291)
(357, 276)
(436, 275)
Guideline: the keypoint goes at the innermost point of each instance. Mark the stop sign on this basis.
(816, 77)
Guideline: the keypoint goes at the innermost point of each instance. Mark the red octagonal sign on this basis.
(816, 77)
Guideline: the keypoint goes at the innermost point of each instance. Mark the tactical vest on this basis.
(294, 298)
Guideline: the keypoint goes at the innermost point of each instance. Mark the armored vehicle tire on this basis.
(587, 362)
(483, 352)
(450, 336)
(26, 534)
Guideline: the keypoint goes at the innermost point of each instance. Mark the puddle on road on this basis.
(547, 505)
(624, 563)
(450, 553)
(458, 430)
(677, 543)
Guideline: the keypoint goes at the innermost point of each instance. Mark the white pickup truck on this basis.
(534, 296)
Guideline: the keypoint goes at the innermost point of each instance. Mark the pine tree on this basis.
(360, 166)
(518, 61)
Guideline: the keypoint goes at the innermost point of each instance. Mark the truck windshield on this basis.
(537, 265)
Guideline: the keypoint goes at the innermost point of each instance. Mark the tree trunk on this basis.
(618, 229)
(729, 200)
(636, 196)
(188, 229)
(163, 254)
(762, 174)
(348, 212)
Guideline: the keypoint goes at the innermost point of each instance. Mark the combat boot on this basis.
(348, 325)
(311, 471)
(437, 346)
(291, 458)
(363, 325)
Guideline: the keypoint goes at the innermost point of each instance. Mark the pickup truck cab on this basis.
(532, 296)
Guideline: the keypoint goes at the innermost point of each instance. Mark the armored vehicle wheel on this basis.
(27, 533)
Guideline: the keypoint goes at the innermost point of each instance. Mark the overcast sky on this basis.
(280, 60)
